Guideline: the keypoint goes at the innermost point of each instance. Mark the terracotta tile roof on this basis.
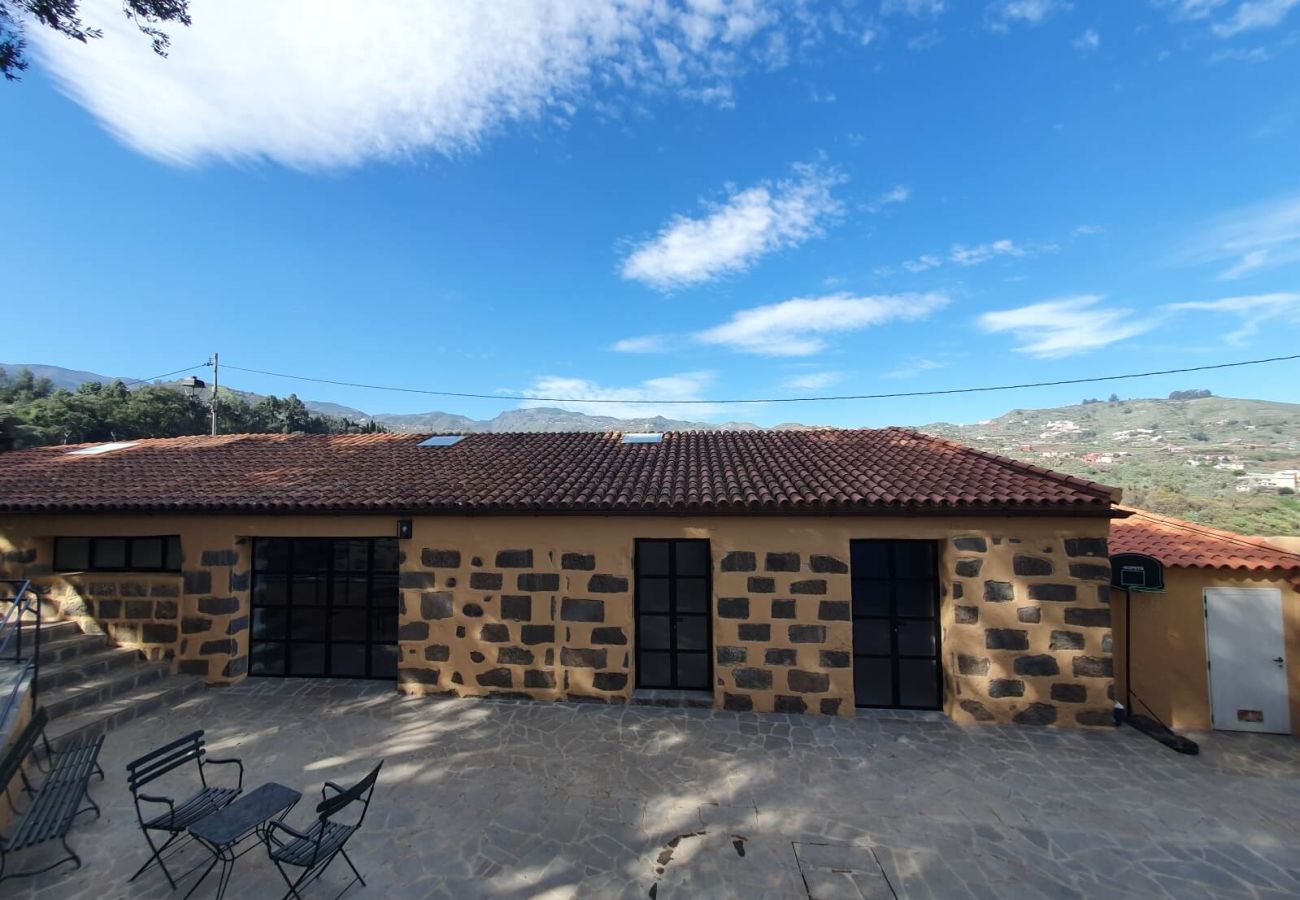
(852, 471)
(1178, 543)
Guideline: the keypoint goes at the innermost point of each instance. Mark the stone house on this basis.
(792, 571)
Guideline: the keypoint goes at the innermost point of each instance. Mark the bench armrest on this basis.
(171, 807)
(276, 825)
(329, 785)
(227, 762)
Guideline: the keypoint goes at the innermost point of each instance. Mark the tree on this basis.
(64, 17)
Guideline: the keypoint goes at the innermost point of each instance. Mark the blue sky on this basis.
(665, 200)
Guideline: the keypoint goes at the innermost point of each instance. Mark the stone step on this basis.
(98, 689)
(50, 631)
(91, 665)
(49, 611)
(70, 646)
(172, 692)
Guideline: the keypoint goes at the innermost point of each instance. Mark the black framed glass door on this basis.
(896, 624)
(674, 629)
(324, 607)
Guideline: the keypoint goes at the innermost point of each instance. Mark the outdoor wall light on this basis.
(404, 529)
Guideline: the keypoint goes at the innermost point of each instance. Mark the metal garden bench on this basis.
(56, 801)
(314, 849)
(179, 814)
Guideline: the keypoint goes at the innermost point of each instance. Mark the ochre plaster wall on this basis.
(1169, 662)
(543, 606)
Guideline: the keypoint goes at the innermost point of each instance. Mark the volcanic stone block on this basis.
(958, 590)
(582, 657)
(833, 611)
(1036, 714)
(153, 633)
(514, 559)
(969, 568)
(583, 562)
(417, 676)
(476, 657)
(238, 581)
(1006, 687)
(1087, 618)
(609, 681)
(494, 633)
(1107, 643)
(972, 665)
(780, 656)
(413, 631)
(415, 581)
(759, 584)
(1006, 639)
(607, 584)
(516, 607)
(514, 656)
(737, 702)
(781, 562)
(473, 610)
(1031, 614)
(236, 625)
(437, 653)
(537, 581)
(131, 589)
(195, 625)
(609, 635)
(198, 581)
(236, 667)
(808, 682)
(218, 606)
(164, 589)
(999, 591)
(733, 607)
(108, 609)
(966, 615)
(1040, 664)
(499, 677)
(578, 609)
(167, 609)
(225, 645)
(535, 678)
(1069, 693)
(971, 544)
(218, 558)
(783, 609)
(756, 632)
(440, 559)
(828, 565)
(139, 609)
(807, 634)
(193, 667)
(753, 679)
(739, 561)
(537, 634)
(1066, 640)
(1090, 572)
(976, 710)
(486, 581)
(1094, 667)
(811, 586)
(1031, 565)
(1086, 547)
(830, 706)
(835, 659)
(1053, 593)
(438, 605)
(731, 656)
(787, 704)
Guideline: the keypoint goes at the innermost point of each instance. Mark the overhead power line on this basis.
(165, 375)
(755, 400)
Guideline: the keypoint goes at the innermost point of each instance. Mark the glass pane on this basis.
(270, 590)
(271, 555)
(146, 553)
(654, 632)
(349, 590)
(918, 683)
(173, 554)
(652, 557)
(914, 559)
(348, 660)
(693, 670)
(110, 553)
(916, 638)
(915, 598)
(652, 595)
(873, 682)
(383, 625)
(351, 556)
(307, 625)
(386, 555)
(308, 590)
(348, 625)
(306, 659)
(311, 554)
(383, 591)
(870, 598)
(72, 553)
(871, 636)
(692, 633)
(267, 659)
(692, 596)
(692, 557)
(654, 670)
(383, 661)
(870, 559)
(269, 623)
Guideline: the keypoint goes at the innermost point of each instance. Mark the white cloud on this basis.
(1254, 311)
(669, 389)
(917, 8)
(923, 263)
(1064, 327)
(899, 193)
(1088, 41)
(812, 381)
(801, 327)
(314, 85)
(1251, 239)
(1254, 14)
(1192, 9)
(914, 367)
(1241, 54)
(982, 253)
(1087, 231)
(1002, 14)
(734, 234)
(646, 343)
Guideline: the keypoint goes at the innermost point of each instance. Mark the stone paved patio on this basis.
(523, 799)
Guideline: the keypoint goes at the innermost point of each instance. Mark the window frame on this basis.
(171, 553)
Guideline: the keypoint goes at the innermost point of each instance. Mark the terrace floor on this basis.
(524, 799)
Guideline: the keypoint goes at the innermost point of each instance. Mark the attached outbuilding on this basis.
(1219, 647)
(792, 571)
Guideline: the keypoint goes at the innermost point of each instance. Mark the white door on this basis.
(1247, 654)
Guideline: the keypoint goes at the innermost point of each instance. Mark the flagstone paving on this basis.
(500, 798)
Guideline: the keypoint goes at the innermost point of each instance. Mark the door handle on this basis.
(1279, 660)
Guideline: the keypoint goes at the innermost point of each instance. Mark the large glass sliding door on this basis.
(673, 615)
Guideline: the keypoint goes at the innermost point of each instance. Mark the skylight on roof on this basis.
(442, 440)
(643, 437)
(102, 448)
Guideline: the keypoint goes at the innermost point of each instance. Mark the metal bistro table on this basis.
(225, 829)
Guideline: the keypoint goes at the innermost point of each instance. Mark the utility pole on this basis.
(216, 371)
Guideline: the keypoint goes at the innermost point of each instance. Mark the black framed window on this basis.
(674, 634)
(158, 553)
(324, 607)
(896, 657)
